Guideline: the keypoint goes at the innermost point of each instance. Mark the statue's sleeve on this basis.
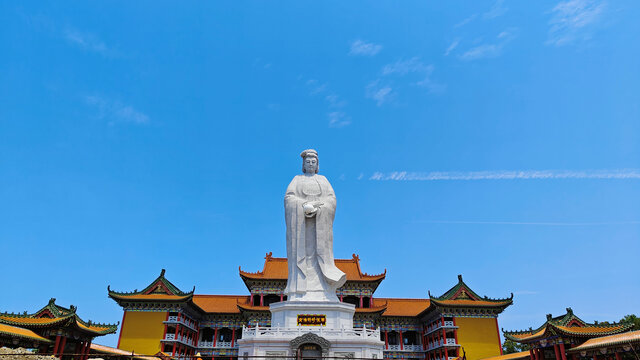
(330, 199)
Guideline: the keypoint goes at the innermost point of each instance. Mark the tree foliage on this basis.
(510, 347)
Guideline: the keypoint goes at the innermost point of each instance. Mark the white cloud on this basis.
(360, 47)
(403, 67)
(508, 175)
(383, 93)
(466, 21)
(573, 20)
(379, 93)
(482, 51)
(452, 47)
(338, 119)
(335, 104)
(87, 41)
(335, 101)
(315, 87)
(498, 9)
(491, 50)
(116, 111)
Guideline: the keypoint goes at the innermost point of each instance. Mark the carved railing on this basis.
(261, 331)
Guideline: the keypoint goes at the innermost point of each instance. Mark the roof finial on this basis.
(162, 272)
(269, 255)
(52, 300)
(549, 316)
(569, 310)
(460, 278)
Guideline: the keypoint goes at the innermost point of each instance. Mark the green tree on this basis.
(510, 347)
(632, 319)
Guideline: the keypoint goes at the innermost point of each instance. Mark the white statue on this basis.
(310, 207)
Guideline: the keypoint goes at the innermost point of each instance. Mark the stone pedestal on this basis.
(338, 315)
(285, 338)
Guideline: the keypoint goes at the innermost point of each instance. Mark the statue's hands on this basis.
(311, 208)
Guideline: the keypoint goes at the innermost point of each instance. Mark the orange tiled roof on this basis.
(276, 269)
(372, 309)
(149, 297)
(403, 307)
(23, 320)
(514, 356)
(227, 304)
(97, 348)
(20, 332)
(465, 302)
(569, 325)
(611, 340)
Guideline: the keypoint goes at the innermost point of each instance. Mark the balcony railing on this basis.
(219, 344)
(437, 344)
(405, 348)
(261, 332)
(182, 339)
(447, 324)
(183, 321)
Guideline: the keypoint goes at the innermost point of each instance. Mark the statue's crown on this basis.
(308, 152)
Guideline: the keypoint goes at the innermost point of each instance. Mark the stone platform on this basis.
(285, 338)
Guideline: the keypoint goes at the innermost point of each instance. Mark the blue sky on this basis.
(495, 139)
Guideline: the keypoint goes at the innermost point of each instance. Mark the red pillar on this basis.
(78, 350)
(215, 336)
(87, 351)
(251, 299)
(173, 353)
(56, 347)
(281, 297)
(233, 337)
(563, 354)
(62, 345)
(536, 352)
(618, 357)
(261, 299)
(557, 351)
(595, 356)
(166, 326)
(386, 339)
(444, 336)
(401, 341)
(531, 354)
(341, 296)
(500, 340)
(361, 300)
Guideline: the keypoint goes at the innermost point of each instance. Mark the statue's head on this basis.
(309, 161)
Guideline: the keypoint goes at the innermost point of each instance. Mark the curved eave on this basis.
(631, 337)
(499, 304)
(150, 298)
(616, 329)
(25, 334)
(243, 308)
(373, 310)
(25, 323)
(99, 329)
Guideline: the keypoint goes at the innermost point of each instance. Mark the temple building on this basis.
(567, 335)
(163, 319)
(54, 330)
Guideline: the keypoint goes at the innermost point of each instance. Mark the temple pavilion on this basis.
(567, 335)
(161, 318)
(54, 330)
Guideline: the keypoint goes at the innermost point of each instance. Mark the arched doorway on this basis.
(309, 352)
(310, 347)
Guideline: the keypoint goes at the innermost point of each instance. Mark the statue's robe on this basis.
(302, 189)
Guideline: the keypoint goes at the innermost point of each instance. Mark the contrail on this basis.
(530, 223)
(507, 175)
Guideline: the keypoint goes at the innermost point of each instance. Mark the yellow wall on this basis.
(141, 331)
(479, 337)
